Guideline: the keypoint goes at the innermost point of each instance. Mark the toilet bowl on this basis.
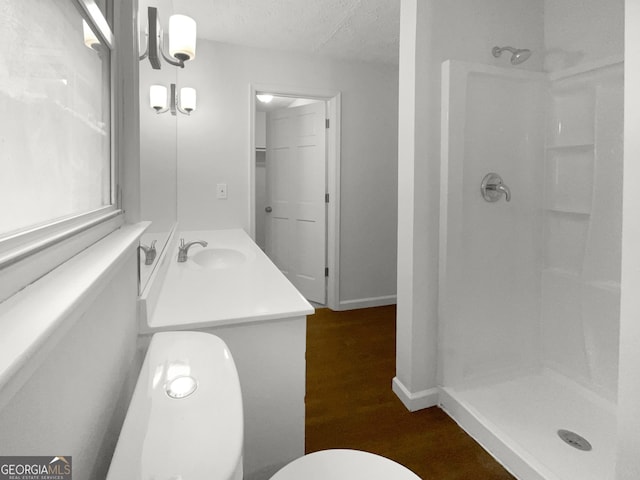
(344, 465)
(185, 422)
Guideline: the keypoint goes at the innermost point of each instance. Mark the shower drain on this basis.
(575, 440)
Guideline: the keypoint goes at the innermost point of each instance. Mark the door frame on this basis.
(333, 100)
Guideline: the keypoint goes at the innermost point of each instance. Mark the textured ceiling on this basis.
(366, 30)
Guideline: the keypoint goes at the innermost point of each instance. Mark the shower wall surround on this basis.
(583, 225)
(530, 289)
(513, 376)
(544, 269)
(490, 261)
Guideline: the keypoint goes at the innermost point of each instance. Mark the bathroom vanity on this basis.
(231, 289)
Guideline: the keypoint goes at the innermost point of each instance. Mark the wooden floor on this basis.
(349, 402)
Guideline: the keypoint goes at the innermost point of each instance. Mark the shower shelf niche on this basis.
(561, 211)
(570, 177)
(575, 146)
(561, 272)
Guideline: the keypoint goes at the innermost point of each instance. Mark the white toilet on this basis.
(185, 422)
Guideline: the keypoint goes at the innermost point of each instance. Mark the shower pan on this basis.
(529, 289)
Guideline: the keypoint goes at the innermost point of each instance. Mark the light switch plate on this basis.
(221, 190)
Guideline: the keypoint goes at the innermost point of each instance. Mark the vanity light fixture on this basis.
(184, 103)
(182, 40)
(158, 98)
(264, 97)
(187, 102)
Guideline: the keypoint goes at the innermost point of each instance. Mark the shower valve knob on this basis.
(492, 188)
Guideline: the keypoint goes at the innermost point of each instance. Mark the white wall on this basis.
(578, 31)
(261, 196)
(158, 164)
(75, 401)
(261, 130)
(432, 32)
(628, 460)
(157, 153)
(213, 147)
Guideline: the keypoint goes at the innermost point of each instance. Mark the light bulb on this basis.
(188, 99)
(158, 97)
(264, 97)
(182, 37)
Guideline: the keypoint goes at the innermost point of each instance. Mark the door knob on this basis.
(268, 209)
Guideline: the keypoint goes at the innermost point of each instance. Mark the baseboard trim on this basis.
(367, 302)
(418, 400)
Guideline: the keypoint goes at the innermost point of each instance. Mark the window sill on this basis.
(34, 319)
(27, 256)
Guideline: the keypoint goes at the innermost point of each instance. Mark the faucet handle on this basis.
(492, 188)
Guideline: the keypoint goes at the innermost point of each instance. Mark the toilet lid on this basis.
(344, 465)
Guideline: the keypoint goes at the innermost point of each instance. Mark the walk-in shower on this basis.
(529, 289)
(518, 55)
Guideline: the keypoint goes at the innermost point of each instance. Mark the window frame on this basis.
(28, 254)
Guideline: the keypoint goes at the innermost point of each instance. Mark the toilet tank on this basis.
(173, 432)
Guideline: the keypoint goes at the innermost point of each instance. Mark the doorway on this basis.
(298, 230)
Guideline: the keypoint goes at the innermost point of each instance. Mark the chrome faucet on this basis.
(149, 252)
(504, 189)
(492, 188)
(183, 249)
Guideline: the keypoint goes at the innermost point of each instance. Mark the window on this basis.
(56, 143)
(55, 123)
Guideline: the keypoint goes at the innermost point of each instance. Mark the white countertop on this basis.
(194, 296)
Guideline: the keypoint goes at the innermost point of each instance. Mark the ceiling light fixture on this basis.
(182, 40)
(184, 103)
(264, 97)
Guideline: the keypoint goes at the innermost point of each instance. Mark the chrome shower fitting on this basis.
(492, 188)
(517, 55)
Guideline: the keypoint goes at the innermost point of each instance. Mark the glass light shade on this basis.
(188, 99)
(90, 38)
(182, 37)
(158, 97)
(265, 98)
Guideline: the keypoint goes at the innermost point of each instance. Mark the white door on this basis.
(295, 227)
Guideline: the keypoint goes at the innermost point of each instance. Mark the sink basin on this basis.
(218, 258)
